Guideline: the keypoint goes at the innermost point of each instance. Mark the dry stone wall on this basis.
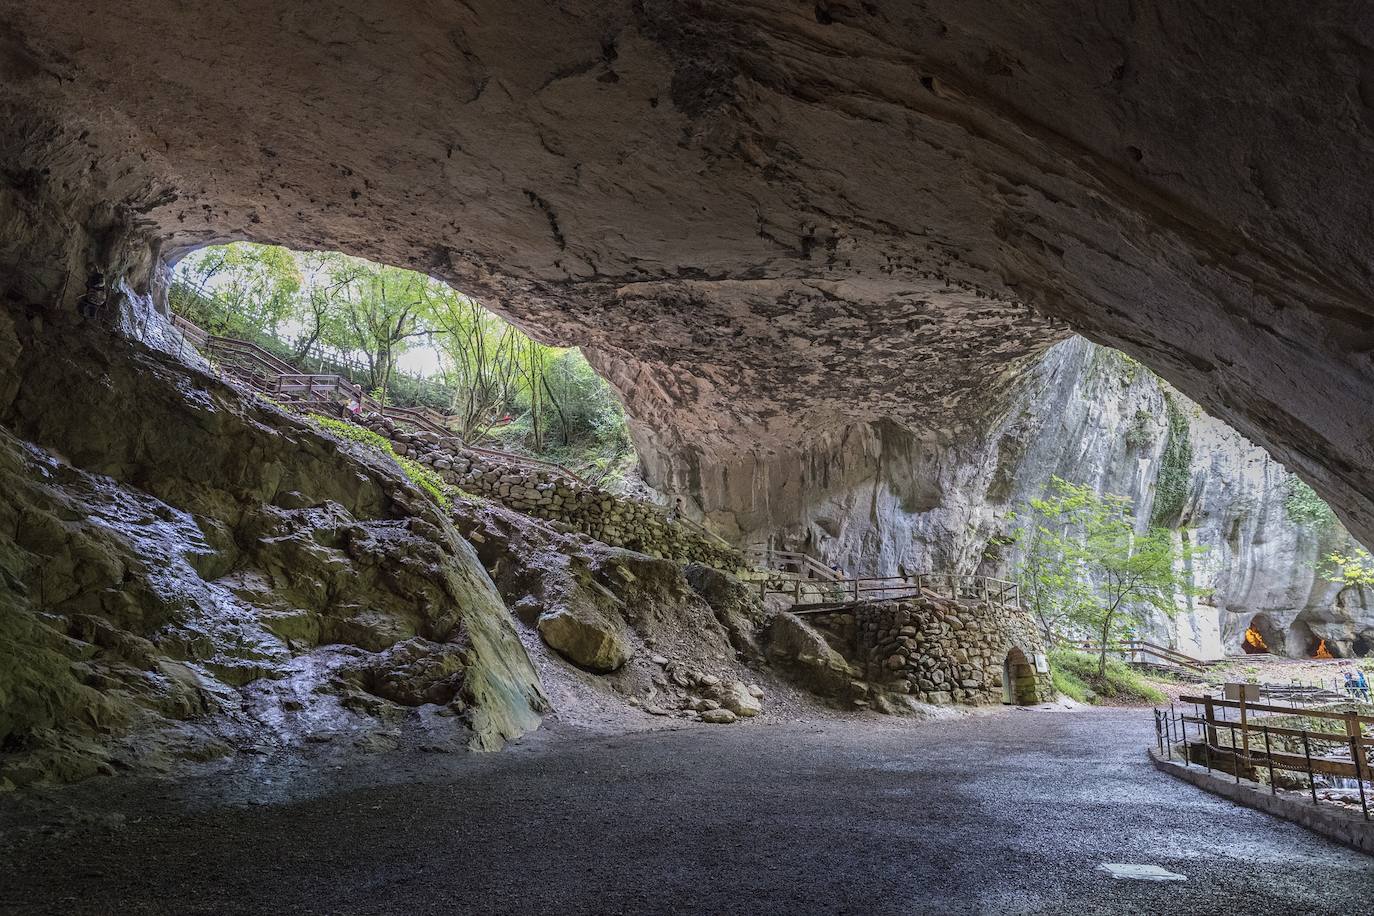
(942, 651)
(568, 504)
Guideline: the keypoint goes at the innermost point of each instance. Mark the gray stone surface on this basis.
(1007, 813)
(185, 573)
(879, 500)
(765, 221)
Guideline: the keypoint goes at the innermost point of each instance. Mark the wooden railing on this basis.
(791, 561)
(1343, 754)
(269, 374)
(828, 594)
(1130, 647)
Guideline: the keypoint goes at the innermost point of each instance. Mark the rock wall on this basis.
(942, 651)
(879, 500)
(185, 573)
(568, 504)
(768, 221)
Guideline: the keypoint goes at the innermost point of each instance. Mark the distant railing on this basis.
(1132, 647)
(269, 374)
(791, 561)
(825, 595)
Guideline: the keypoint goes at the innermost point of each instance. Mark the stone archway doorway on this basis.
(1018, 680)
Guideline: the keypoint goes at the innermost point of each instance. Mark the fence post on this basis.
(1354, 752)
(1269, 756)
(1211, 735)
(1307, 753)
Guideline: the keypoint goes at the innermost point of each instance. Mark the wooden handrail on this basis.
(894, 588)
(1130, 646)
(286, 378)
(1282, 710)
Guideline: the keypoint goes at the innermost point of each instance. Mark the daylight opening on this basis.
(337, 334)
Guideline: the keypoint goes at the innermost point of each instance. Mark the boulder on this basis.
(719, 717)
(588, 640)
(736, 697)
(803, 652)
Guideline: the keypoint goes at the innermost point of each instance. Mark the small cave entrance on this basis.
(1018, 680)
(1262, 637)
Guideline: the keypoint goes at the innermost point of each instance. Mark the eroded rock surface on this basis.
(877, 500)
(766, 220)
(184, 573)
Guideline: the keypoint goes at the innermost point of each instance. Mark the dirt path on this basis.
(1007, 813)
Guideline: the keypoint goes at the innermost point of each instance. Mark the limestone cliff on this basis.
(877, 499)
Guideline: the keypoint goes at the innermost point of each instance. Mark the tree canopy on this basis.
(1085, 567)
(328, 312)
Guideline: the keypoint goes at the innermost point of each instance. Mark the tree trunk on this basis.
(1102, 655)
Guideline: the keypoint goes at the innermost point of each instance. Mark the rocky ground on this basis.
(1010, 812)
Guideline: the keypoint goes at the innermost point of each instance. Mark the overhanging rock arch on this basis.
(662, 182)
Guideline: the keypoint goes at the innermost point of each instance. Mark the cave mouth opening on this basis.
(402, 339)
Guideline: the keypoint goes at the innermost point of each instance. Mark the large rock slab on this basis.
(184, 572)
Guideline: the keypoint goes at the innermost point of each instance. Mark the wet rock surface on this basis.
(586, 824)
(187, 573)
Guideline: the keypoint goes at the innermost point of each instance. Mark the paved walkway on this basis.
(1005, 814)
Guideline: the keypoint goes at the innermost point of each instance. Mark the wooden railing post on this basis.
(1211, 716)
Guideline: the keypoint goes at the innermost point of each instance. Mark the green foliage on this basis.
(423, 477)
(1079, 675)
(1175, 469)
(1104, 362)
(1304, 507)
(1351, 570)
(426, 478)
(1088, 565)
(238, 289)
(1141, 430)
(329, 313)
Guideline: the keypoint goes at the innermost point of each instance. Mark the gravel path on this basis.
(1007, 813)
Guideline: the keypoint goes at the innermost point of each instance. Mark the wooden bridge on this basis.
(814, 588)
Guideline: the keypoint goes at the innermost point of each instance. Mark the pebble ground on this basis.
(1009, 813)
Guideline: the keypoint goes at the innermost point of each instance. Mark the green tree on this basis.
(380, 310)
(1090, 543)
(1052, 587)
(479, 353)
(244, 290)
(1353, 570)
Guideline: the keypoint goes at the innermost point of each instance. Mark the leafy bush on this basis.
(1141, 430)
(1304, 507)
(423, 477)
(1075, 675)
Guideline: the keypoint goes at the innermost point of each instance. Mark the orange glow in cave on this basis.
(1322, 651)
(1254, 642)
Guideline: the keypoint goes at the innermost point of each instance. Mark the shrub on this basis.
(1075, 675)
(423, 477)
(1304, 507)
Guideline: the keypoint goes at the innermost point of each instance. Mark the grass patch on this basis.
(1075, 675)
(424, 477)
